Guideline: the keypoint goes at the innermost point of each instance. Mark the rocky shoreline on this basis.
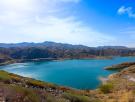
(11, 61)
(120, 66)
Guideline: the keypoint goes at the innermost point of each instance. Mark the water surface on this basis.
(81, 74)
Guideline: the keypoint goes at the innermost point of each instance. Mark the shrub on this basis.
(106, 88)
(76, 98)
(40, 84)
(4, 77)
(50, 98)
(29, 93)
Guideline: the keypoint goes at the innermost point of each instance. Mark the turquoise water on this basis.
(81, 74)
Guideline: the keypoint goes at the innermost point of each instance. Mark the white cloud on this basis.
(126, 10)
(66, 30)
(123, 10)
(39, 20)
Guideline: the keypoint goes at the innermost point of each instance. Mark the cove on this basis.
(80, 73)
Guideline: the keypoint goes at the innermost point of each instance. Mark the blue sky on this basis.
(87, 22)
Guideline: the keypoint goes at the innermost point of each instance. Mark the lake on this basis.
(80, 74)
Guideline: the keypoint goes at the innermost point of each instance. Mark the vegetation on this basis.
(106, 88)
(4, 76)
(76, 98)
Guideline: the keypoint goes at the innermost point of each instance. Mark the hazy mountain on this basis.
(54, 44)
(44, 44)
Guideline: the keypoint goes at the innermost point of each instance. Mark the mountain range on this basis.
(49, 43)
(52, 50)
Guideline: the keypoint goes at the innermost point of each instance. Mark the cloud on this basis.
(67, 30)
(41, 20)
(126, 10)
(16, 11)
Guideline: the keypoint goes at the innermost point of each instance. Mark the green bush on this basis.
(4, 76)
(106, 88)
(40, 84)
(76, 98)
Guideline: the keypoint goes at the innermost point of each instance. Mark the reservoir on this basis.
(80, 73)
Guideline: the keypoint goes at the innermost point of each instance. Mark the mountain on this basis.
(44, 44)
(51, 50)
(54, 44)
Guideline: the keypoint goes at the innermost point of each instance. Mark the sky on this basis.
(88, 22)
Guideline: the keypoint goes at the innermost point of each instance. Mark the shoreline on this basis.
(50, 59)
(12, 61)
(103, 80)
(120, 66)
(112, 88)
